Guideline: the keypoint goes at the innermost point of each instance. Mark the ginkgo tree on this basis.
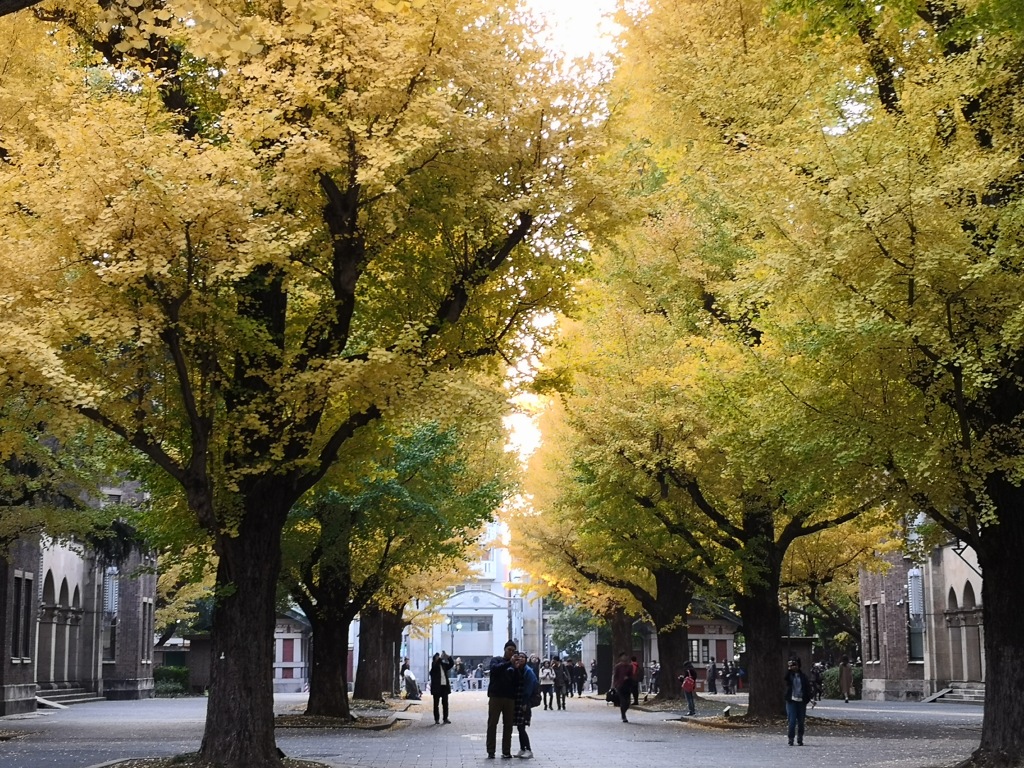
(412, 503)
(240, 241)
(873, 154)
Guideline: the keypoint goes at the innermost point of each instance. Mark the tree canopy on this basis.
(239, 233)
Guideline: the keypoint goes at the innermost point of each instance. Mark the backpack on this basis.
(689, 684)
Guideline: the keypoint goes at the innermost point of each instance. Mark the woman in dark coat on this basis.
(440, 685)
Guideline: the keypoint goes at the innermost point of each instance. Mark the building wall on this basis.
(291, 654)
(68, 611)
(19, 577)
(893, 654)
(955, 632)
(952, 641)
(130, 674)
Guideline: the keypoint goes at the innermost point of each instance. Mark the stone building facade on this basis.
(71, 622)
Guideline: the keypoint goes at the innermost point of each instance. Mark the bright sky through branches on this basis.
(577, 26)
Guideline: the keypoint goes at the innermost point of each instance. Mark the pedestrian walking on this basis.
(817, 683)
(570, 672)
(440, 685)
(689, 683)
(547, 684)
(845, 679)
(460, 675)
(712, 677)
(561, 683)
(501, 701)
(622, 682)
(581, 679)
(527, 687)
(638, 678)
(798, 693)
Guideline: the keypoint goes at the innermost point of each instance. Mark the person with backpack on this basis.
(689, 684)
(638, 678)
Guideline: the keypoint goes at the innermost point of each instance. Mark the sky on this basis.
(576, 24)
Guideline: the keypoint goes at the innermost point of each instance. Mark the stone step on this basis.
(66, 696)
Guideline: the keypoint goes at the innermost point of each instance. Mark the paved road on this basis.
(588, 733)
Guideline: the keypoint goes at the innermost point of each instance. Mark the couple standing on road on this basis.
(510, 696)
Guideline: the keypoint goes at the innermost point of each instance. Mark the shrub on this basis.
(170, 681)
(830, 681)
(167, 689)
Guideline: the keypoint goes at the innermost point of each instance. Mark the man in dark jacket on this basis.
(440, 684)
(798, 693)
(501, 701)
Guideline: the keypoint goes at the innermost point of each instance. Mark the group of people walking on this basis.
(517, 685)
(559, 681)
(730, 675)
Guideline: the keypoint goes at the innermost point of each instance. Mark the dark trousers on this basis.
(625, 696)
(505, 710)
(548, 694)
(441, 697)
(690, 702)
(524, 738)
(795, 712)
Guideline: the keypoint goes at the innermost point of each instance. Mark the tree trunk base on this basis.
(987, 758)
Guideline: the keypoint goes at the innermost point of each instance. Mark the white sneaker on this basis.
(525, 754)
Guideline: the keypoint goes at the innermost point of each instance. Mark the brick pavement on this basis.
(861, 734)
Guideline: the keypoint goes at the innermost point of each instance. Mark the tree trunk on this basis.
(762, 628)
(239, 729)
(621, 625)
(999, 550)
(328, 683)
(394, 625)
(668, 613)
(375, 671)
(673, 653)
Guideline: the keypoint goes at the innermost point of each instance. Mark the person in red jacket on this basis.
(622, 682)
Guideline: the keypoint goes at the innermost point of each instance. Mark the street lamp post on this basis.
(453, 627)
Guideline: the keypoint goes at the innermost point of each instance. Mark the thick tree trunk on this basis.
(328, 683)
(762, 628)
(621, 625)
(375, 671)
(394, 625)
(999, 555)
(673, 653)
(240, 713)
(668, 614)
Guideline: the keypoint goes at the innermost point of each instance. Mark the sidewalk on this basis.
(589, 732)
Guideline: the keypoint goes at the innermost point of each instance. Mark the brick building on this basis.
(72, 625)
(921, 627)
(892, 631)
